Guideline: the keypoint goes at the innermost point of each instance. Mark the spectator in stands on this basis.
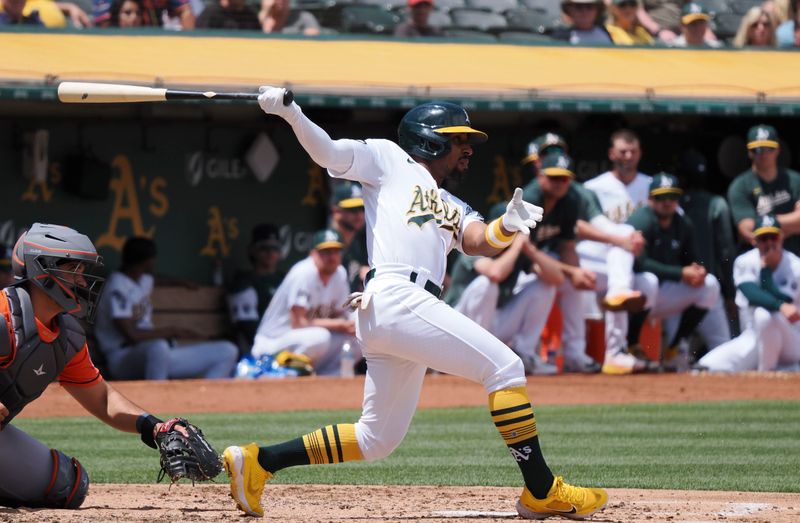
(757, 29)
(694, 28)
(133, 346)
(587, 23)
(6, 272)
(788, 33)
(766, 188)
(170, 14)
(57, 14)
(307, 315)
(252, 291)
(417, 24)
(229, 15)
(661, 18)
(624, 26)
(13, 14)
(277, 17)
(126, 13)
(347, 218)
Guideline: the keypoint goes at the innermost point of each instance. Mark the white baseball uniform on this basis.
(768, 341)
(412, 224)
(303, 287)
(618, 201)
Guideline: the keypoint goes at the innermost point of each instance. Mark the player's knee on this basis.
(376, 443)
(69, 484)
(761, 319)
(647, 284)
(508, 374)
(710, 295)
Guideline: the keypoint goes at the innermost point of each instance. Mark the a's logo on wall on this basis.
(221, 231)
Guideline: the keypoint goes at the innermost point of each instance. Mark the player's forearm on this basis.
(499, 269)
(790, 222)
(758, 297)
(547, 268)
(474, 242)
(336, 155)
(105, 403)
(663, 271)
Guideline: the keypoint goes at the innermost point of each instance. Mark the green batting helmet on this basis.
(423, 131)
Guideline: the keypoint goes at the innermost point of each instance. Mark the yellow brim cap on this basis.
(329, 245)
(688, 19)
(763, 143)
(558, 171)
(351, 203)
(479, 135)
(666, 190)
(767, 230)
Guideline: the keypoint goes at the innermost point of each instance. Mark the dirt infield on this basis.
(313, 503)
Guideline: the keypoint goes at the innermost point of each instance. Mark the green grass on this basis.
(749, 446)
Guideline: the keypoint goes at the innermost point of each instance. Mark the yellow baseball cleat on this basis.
(247, 478)
(629, 301)
(563, 500)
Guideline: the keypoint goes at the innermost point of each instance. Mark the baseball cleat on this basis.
(247, 478)
(581, 363)
(562, 500)
(629, 301)
(624, 362)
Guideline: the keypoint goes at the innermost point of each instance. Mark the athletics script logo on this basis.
(426, 206)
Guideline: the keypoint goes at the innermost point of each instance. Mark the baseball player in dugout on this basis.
(307, 315)
(619, 191)
(404, 328)
(485, 290)
(685, 287)
(556, 234)
(347, 218)
(766, 188)
(768, 295)
(42, 341)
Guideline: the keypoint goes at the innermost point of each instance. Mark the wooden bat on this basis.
(96, 93)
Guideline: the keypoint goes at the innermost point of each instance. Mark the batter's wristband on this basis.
(145, 425)
(495, 237)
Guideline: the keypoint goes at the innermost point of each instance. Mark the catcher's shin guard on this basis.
(69, 483)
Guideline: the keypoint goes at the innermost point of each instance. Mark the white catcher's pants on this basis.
(519, 322)
(404, 330)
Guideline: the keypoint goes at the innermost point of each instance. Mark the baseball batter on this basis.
(307, 315)
(767, 279)
(620, 192)
(404, 328)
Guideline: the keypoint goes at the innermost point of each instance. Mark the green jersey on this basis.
(751, 197)
(559, 223)
(354, 257)
(589, 206)
(666, 251)
(265, 286)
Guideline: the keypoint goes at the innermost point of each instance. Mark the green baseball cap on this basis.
(557, 164)
(762, 136)
(694, 11)
(767, 224)
(348, 196)
(545, 144)
(665, 183)
(326, 239)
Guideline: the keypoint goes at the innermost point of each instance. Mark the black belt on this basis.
(429, 285)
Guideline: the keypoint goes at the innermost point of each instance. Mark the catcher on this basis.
(41, 341)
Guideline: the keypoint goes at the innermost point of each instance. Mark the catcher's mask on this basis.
(62, 262)
(425, 130)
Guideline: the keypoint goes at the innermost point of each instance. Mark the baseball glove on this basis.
(185, 453)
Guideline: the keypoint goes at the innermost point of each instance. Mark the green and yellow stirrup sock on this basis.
(330, 444)
(513, 416)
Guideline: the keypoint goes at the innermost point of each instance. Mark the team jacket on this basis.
(32, 356)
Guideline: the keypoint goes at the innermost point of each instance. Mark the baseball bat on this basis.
(97, 93)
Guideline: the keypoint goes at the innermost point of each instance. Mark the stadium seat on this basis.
(477, 19)
(716, 6)
(549, 6)
(448, 5)
(495, 6)
(386, 4)
(726, 24)
(531, 20)
(467, 34)
(440, 19)
(740, 7)
(367, 19)
(523, 37)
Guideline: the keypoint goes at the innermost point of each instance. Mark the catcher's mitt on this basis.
(185, 453)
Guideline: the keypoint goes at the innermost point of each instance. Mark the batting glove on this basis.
(270, 99)
(520, 215)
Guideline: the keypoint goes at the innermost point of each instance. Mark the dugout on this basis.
(180, 172)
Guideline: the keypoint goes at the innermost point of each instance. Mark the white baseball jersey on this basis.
(303, 287)
(618, 202)
(410, 220)
(123, 298)
(747, 268)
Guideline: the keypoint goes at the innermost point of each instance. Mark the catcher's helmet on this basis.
(39, 257)
(424, 130)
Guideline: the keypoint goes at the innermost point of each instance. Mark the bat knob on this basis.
(288, 97)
